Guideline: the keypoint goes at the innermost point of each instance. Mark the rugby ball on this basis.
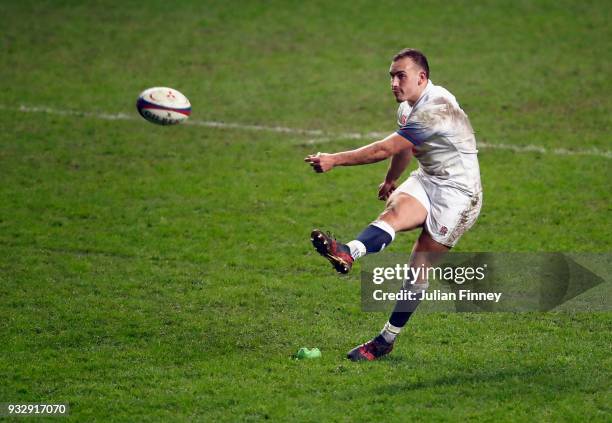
(163, 106)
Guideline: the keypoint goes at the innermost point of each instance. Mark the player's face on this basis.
(407, 80)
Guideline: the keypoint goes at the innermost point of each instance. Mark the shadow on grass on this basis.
(512, 378)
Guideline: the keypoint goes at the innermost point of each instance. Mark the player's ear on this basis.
(422, 77)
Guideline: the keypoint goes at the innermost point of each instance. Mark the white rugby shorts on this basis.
(450, 211)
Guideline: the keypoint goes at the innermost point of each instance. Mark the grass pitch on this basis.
(153, 273)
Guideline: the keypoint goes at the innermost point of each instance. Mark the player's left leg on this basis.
(424, 253)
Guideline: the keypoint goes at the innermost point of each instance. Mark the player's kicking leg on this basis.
(435, 238)
(402, 213)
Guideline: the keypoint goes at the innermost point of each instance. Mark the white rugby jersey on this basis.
(444, 140)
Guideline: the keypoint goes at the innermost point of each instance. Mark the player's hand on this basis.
(385, 190)
(320, 162)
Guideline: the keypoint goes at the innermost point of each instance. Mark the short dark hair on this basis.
(416, 56)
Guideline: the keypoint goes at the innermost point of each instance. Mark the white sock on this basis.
(389, 332)
(357, 249)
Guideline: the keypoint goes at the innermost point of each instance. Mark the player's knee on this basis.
(404, 213)
(389, 215)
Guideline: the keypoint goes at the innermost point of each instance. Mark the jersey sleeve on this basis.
(415, 130)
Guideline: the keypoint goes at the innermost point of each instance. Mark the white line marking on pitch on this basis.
(320, 137)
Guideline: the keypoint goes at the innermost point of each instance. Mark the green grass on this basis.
(153, 273)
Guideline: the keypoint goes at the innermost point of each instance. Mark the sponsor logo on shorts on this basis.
(443, 230)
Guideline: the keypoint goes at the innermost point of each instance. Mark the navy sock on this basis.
(404, 309)
(400, 318)
(374, 238)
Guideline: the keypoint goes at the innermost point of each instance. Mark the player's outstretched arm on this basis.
(371, 153)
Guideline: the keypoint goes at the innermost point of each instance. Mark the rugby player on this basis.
(443, 196)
